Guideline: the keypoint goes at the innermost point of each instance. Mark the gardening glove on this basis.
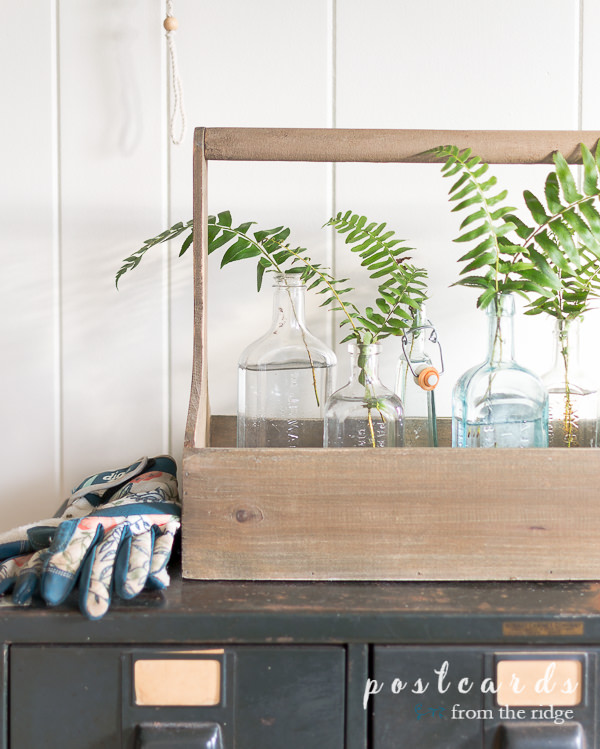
(19, 563)
(123, 545)
(23, 572)
(82, 500)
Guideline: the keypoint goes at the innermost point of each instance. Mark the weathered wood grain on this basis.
(198, 420)
(326, 144)
(397, 514)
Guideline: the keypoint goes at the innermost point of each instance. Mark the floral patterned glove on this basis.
(123, 545)
(19, 565)
(120, 538)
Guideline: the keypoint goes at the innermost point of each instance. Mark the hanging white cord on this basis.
(171, 24)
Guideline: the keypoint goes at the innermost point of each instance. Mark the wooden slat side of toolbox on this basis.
(397, 514)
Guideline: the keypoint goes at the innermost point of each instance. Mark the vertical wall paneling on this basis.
(589, 60)
(332, 330)
(93, 377)
(459, 65)
(30, 434)
(259, 65)
(111, 172)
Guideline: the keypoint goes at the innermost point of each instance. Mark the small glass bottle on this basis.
(573, 399)
(284, 377)
(364, 413)
(416, 380)
(499, 403)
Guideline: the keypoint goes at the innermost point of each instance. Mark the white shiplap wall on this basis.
(92, 378)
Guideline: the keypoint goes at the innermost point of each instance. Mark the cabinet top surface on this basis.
(325, 612)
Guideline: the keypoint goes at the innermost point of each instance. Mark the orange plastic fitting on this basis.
(428, 378)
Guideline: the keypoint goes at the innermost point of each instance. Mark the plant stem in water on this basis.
(570, 422)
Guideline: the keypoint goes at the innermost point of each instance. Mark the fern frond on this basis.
(564, 243)
(380, 251)
(135, 258)
(476, 191)
(403, 289)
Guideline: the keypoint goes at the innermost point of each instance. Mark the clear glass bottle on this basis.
(284, 377)
(364, 413)
(416, 380)
(499, 403)
(573, 399)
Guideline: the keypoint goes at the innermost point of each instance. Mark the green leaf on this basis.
(461, 181)
(522, 229)
(567, 182)
(467, 190)
(497, 198)
(486, 298)
(187, 242)
(501, 213)
(488, 258)
(504, 229)
(552, 250)
(535, 207)
(243, 228)
(581, 228)
(263, 234)
(542, 279)
(591, 215)
(473, 200)
(240, 250)
(474, 233)
(481, 213)
(487, 244)
(225, 237)
(566, 240)
(477, 281)
(552, 192)
(224, 218)
(261, 266)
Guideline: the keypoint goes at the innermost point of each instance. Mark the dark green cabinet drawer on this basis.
(84, 697)
(444, 697)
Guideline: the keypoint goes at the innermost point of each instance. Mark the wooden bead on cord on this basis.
(170, 23)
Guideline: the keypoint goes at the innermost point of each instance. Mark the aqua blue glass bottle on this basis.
(499, 403)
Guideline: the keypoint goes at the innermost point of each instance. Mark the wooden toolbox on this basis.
(384, 514)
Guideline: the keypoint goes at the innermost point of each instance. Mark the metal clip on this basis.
(433, 338)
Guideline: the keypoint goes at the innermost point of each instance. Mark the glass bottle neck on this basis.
(501, 345)
(288, 303)
(566, 347)
(364, 363)
(566, 343)
(415, 346)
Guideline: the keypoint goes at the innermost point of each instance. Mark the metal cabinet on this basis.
(226, 665)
